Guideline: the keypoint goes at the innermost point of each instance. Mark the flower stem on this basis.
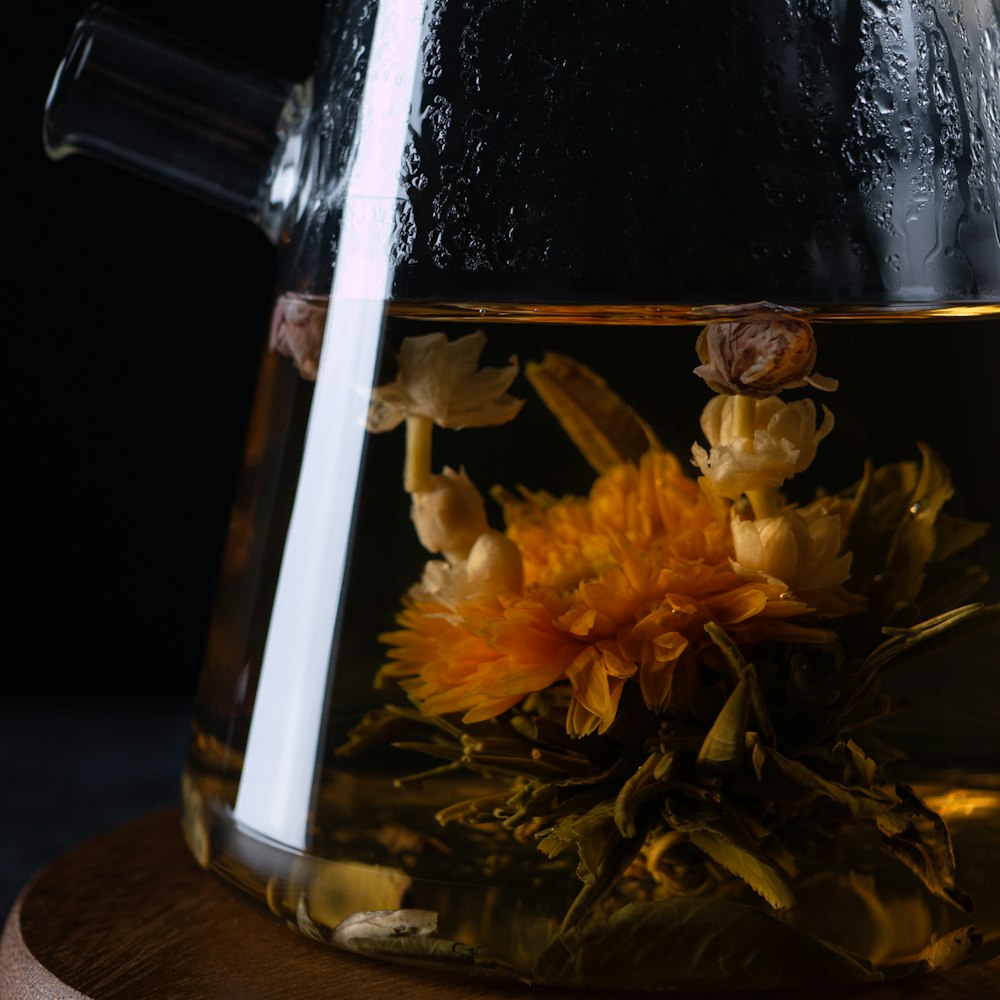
(744, 411)
(417, 472)
(763, 502)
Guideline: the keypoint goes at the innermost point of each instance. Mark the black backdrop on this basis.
(138, 320)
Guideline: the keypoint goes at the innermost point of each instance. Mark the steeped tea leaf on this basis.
(793, 781)
(956, 533)
(722, 751)
(643, 784)
(915, 539)
(593, 834)
(907, 640)
(741, 670)
(738, 854)
(952, 948)
(924, 846)
(436, 953)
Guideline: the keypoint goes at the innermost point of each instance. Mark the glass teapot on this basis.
(564, 583)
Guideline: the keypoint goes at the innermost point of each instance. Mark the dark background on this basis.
(139, 316)
(138, 320)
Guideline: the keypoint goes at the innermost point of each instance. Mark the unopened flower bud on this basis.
(297, 327)
(796, 548)
(760, 355)
(494, 564)
(450, 515)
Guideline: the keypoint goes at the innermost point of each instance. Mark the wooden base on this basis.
(130, 915)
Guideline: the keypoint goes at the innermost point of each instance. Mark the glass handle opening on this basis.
(160, 106)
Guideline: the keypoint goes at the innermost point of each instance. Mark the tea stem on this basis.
(744, 411)
(763, 502)
(417, 473)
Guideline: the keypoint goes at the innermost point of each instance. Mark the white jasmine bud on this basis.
(798, 549)
(449, 515)
(494, 565)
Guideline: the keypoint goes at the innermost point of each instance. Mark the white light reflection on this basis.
(276, 784)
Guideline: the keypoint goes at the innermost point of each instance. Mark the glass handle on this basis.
(160, 106)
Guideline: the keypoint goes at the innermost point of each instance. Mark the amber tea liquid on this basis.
(371, 840)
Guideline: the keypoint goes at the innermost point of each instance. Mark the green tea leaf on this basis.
(740, 856)
(743, 671)
(593, 834)
(879, 751)
(915, 539)
(793, 781)
(722, 751)
(950, 586)
(906, 644)
(437, 954)
(954, 947)
(952, 534)
(924, 846)
(704, 944)
(878, 501)
(865, 769)
(639, 788)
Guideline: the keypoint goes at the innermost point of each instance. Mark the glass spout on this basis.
(195, 121)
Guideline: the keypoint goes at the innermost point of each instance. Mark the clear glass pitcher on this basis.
(607, 600)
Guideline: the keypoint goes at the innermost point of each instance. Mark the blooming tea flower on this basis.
(616, 585)
(437, 379)
(784, 443)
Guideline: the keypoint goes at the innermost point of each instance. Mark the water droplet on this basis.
(916, 507)
(884, 100)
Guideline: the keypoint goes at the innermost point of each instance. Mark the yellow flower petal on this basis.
(617, 590)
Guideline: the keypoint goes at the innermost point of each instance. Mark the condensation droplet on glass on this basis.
(914, 208)
(884, 100)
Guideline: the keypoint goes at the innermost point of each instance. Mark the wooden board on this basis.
(130, 915)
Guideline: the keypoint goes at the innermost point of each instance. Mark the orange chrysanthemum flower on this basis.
(618, 585)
